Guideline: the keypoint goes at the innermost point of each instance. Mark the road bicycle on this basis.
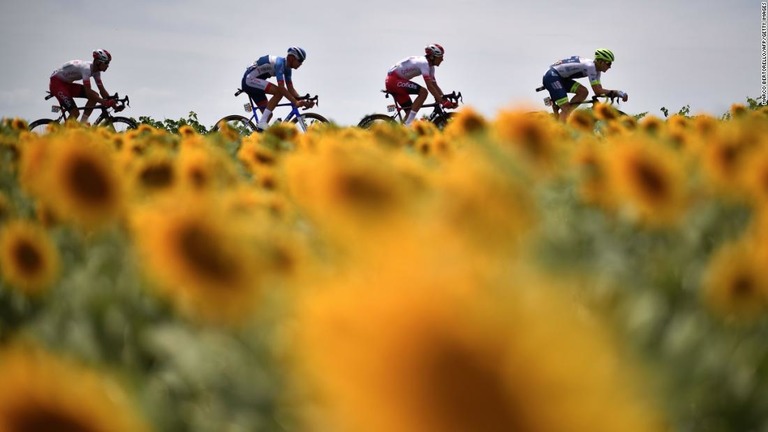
(595, 99)
(247, 125)
(105, 119)
(438, 116)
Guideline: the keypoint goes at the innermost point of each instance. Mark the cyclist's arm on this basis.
(600, 91)
(434, 89)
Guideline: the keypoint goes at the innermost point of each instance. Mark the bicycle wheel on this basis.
(370, 120)
(40, 127)
(238, 123)
(118, 124)
(442, 120)
(310, 119)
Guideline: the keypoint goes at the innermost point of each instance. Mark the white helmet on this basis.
(102, 55)
(434, 50)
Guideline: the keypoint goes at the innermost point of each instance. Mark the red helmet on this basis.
(434, 50)
(102, 55)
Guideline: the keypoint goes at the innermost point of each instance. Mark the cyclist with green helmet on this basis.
(560, 80)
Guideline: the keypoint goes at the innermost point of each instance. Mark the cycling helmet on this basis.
(297, 52)
(604, 54)
(102, 55)
(434, 50)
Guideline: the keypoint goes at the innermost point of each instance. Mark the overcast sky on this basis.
(174, 56)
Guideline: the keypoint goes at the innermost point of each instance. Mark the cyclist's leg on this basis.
(257, 88)
(581, 95)
(64, 93)
(401, 89)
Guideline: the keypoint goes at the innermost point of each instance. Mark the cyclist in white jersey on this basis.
(64, 87)
(255, 83)
(399, 83)
(560, 80)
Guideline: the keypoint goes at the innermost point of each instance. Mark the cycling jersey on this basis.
(77, 70)
(412, 67)
(269, 66)
(577, 67)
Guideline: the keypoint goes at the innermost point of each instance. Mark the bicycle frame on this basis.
(399, 110)
(103, 115)
(294, 113)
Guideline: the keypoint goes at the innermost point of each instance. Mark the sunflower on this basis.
(590, 163)
(77, 179)
(535, 138)
(466, 121)
(582, 119)
(652, 125)
(735, 285)
(153, 172)
(386, 349)
(648, 181)
(755, 178)
(41, 392)
(203, 167)
(29, 259)
(604, 111)
(201, 258)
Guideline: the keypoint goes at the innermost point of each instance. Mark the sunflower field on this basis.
(504, 274)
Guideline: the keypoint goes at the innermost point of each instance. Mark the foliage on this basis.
(173, 126)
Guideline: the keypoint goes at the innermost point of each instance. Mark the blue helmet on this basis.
(297, 52)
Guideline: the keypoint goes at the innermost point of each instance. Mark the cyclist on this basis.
(399, 83)
(559, 80)
(255, 82)
(64, 87)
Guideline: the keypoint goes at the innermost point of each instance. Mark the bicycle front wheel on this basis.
(237, 123)
(40, 127)
(368, 121)
(310, 119)
(442, 120)
(118, 124)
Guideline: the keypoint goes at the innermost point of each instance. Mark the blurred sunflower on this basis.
(648, 181)
(154, 172)
(203, 167)
(735, 285)
(385, 350)
(722, 162)
(535, 138)
(652, 125)
(467, 121)
(6, 208)
(582, 119)
(43, 393)
(200, 257)
(604, 111)
(77, 179)
(29, 259)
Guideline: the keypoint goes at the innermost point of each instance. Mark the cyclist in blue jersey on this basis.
(560, 80)
(256, 85)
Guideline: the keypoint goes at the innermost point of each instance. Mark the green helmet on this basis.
(604, 54)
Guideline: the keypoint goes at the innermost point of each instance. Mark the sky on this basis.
(172, 56)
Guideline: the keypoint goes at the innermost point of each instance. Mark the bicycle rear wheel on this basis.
(370, 120)
(118, 124)
(237, 123)
(40, 127)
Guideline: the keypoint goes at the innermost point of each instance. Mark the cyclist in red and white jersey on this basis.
(255, 83)
(399, 83)
(64, 87)
(560, 80)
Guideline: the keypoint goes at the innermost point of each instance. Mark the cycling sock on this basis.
(264, 118)
(411, 117)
